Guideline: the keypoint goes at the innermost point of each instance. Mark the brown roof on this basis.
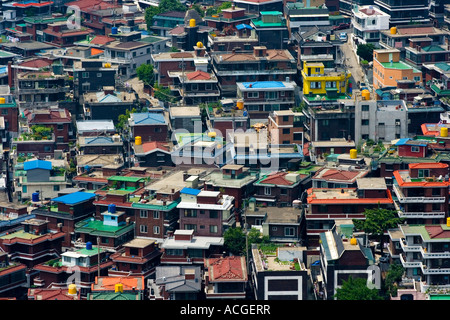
(436, 232)
(198, 75)
(181, 55)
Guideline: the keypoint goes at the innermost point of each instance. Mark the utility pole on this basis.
(98, 256)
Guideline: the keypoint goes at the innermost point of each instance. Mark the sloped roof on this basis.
(278, 178)
(37, 164)
(227, 269)
(74, 198)
(198, 75)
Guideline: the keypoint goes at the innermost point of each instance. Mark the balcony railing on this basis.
(427, 215)
(402, 199)
(410, 264)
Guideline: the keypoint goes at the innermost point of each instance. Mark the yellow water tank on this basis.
(366, 94)
(212, 134)
(118, 287)
(2, 100)
(138, 140)
(192, 23)
(448, 222)
(353, 241)
(444, 132)
(240, 104)
(199, 44)
(393, 30)
(353, 153)
(72, 288)
(107, 65)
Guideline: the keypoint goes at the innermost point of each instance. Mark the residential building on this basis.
(367, 22)
(244, 38)
(12, 276)
(229, 19)
(424, 50)
(340, 177)
(128, 55)
(124, 284)
(227, 115)
(325, 205)
(58, 119)
(261, 65)
(278, 189)
(187, 36)
(39, 89)
(176, 283)
(108, 103)
(342, 257)
(186, 117)
(195, 87)
(271, 29)
(255, 6)
(150, 126)
(90, 262)
(47, 294)
(183, 248)
(234, 180)
(164, 22)
(152, 154)
(63, 212)
(286, 127)
(322, 149)
(95, 127)
(422, 250)
(398, 37)
(91, 75)
(226, 277)
(100, 145)
(172, 61)
(279, 276)
(263, 97)
(402, 13)
(388, 69)
(59, 35)
(41, 177)
(139, 257)
(436, 78)
(208, 213)
(421, 193)
(111, 232)
(299, 16)
(10, 113)
(32, 243)
(317, 82)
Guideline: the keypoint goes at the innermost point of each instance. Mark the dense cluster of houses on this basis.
(110, 191)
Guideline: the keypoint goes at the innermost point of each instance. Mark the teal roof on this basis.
(112, 296)
(443, 66)
(432, 48)
(270, 13)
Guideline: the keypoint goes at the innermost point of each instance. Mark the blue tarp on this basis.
(74, 198)
(37, 164)
(243, 26)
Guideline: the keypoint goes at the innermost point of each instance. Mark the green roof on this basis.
(432, 48)
(112, 296)
(96, 227)
(396, 65)
(439, 296)
(125, 179)
(270, 13)
(443, 66)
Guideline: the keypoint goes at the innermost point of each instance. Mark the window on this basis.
(190, 213)
(156, 229)
(315, 85)
(317, 70)
(55, 188)
(365, 107)
(213, 214)
(364, 122)
(252, 94)
(286, 131)
(330, 84)
(143, 228)
(416, 79)
(289, 231)
(60, 127)
(155, 214)
(267, 191)
(415, 149)
(143, 214)
(423, 173)
(213, 229)
(190, 227)
(85, 75)
(283, 191)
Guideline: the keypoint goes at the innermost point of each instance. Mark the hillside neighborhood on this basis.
(225, 150)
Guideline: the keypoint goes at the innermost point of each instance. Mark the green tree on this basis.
(150, 12)
(216, 10)
(365, 51)
(234, 241)
(163, 93)
(377, 221)
(356, 289)
(199, 9)
(255, 236)
(164, 6)
(393, 277)
(146, 73)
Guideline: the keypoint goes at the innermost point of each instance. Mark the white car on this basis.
(343, 36)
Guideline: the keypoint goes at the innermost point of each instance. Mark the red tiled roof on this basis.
(153, 145)
(92, 4)
(435, 165)
(339, 175)
(92, 179)
(36, 63)
(108, 283)
(436, 232)
(52, 294)
(277, 178)
(52, 116)
(227, 269)
(420, 30)
(198, 75)
(100, 40)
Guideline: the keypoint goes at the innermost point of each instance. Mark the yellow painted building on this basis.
(318, 82)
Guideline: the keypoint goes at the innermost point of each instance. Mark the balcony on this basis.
(409, 264)
(422, 215)
(410, 248)
(434, 255)
(402, 199)
(432, 271)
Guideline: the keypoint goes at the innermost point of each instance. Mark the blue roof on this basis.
(191, 191)
(243, 26)
(410, 141)
(148, 118)
(37, 164)
(74, 198)
(264, 84)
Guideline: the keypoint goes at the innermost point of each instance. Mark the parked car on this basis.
(343, 36)
(342, 26)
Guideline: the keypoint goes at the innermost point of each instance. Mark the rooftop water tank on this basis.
(35, 197)
(114, 30)
(112, 208)
(89, 245)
